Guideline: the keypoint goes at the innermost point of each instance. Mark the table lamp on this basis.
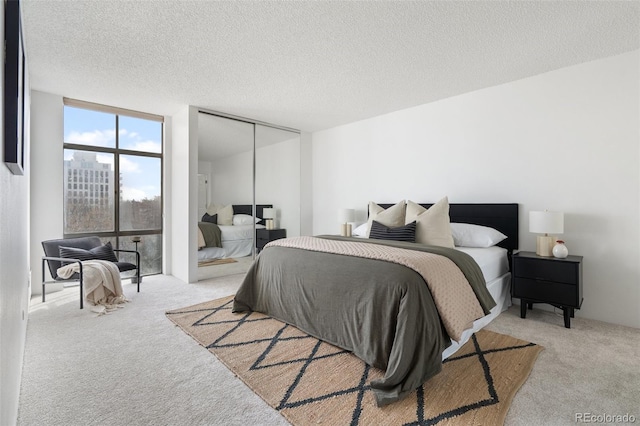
(269, 214)
(546, 222)
(345, 216)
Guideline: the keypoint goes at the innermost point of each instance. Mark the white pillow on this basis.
(361, 231)
(225, 213)
(213, 208)
(469, 235)
(391, 217)
(244, 219)
(432, 225)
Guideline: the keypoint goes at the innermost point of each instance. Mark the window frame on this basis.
(117, 233)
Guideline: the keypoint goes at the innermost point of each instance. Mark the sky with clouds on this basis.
(141, 176)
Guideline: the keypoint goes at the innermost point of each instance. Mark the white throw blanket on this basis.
(102, 284)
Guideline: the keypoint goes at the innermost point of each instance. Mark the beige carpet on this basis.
(312, 382)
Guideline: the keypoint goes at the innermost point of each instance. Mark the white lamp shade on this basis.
(269, 213)
(346, 215)
(546, 222)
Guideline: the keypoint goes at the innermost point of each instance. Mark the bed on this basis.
(233, 241)
(386, 313)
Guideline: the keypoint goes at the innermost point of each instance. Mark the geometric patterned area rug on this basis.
(216, 262)
(312, 382)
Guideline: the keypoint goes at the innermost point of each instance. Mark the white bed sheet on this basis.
(494, 264)
(500, 289)
(229, 249)
(493, 261)
(238, 232)
(210, 253)
(237, 241)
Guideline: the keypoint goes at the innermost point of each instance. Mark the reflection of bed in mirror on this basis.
(236, 241)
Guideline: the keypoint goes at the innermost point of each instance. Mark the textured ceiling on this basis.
(308, 65)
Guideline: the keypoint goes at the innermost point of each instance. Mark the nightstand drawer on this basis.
(550, 270)
(271, 234)
(544, 291)
(264, 236)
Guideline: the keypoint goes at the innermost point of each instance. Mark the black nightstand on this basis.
(537, 279)
(263, 236)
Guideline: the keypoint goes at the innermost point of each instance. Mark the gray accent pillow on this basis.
(104, 252)
(210, 218)
(400, 233)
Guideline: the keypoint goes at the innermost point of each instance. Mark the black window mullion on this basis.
(116, 166)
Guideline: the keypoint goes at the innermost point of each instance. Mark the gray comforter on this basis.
(383, 312)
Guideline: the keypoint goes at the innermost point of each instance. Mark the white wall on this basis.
(184, 194)
(204, 168)
(14, 276)
(47, 215)
(232, 179)
(14, 286)
(306, 184)
(277, 181)
(566, 140)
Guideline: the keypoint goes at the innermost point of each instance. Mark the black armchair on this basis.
(54, 260)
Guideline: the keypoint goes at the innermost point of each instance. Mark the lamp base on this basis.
(544, 245)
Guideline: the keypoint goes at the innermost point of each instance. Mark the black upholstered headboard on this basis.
(503, 217)
(248, 209)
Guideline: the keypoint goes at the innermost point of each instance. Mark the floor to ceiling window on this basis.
(113, 178)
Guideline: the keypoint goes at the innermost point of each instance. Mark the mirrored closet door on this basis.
(225, 181)
(278, 182)
(242, 165)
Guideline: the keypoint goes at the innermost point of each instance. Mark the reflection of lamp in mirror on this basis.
(546, 223)
(345, 216)
(269, 215)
